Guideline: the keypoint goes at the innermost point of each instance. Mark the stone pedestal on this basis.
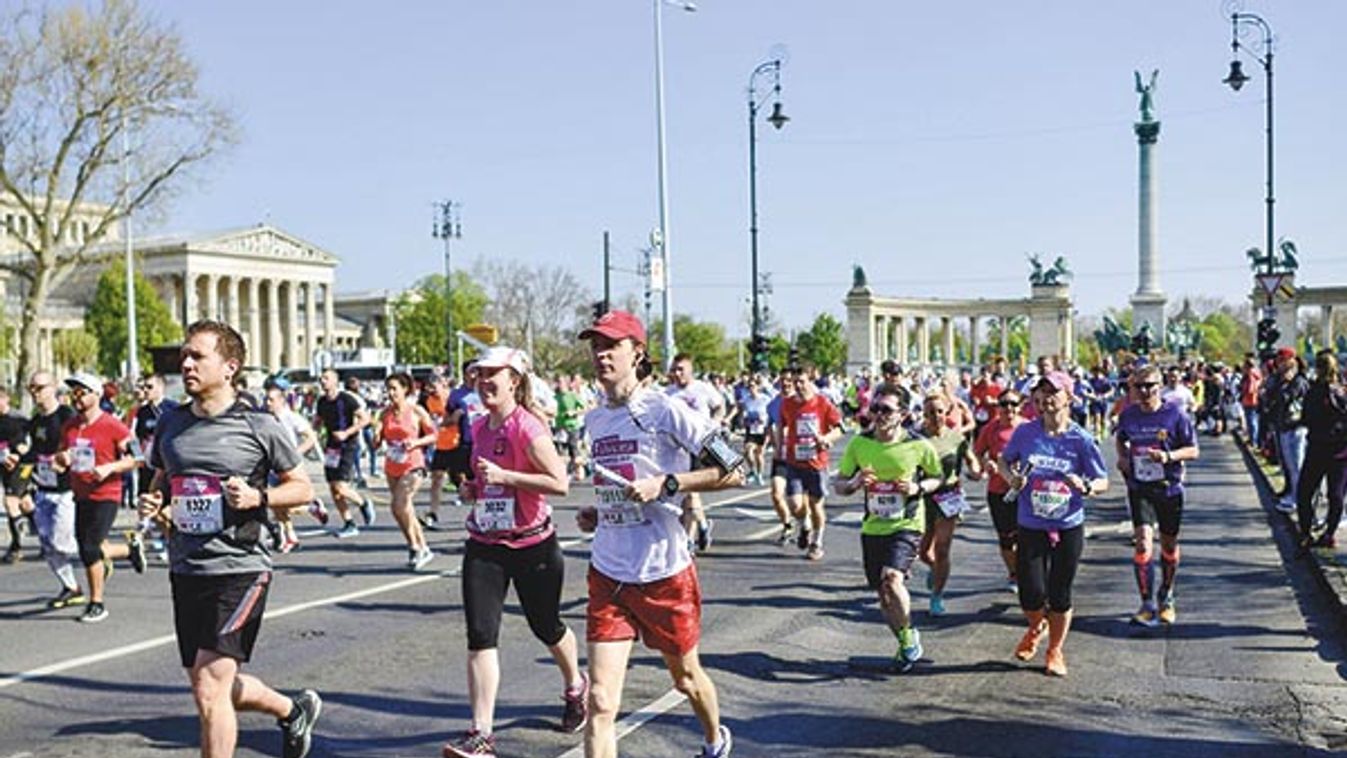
(1149, 309)
(1049, 307)
(861, 331)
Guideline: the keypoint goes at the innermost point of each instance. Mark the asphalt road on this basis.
(1256, 665)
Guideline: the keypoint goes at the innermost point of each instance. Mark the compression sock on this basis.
(1169, 567)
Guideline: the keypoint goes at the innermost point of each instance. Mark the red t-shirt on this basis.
(993, 438)
(984, 395)
(805, 422)
(93, 445)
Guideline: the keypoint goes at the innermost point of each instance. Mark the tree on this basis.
(74, 83)
(75, 349)
(705, 342)
(540, 309)
(422, 333)
(106, 319)
(824, 344)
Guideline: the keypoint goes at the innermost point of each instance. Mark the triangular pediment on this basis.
(264, 242)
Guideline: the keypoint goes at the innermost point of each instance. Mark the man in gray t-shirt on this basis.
(212, 459)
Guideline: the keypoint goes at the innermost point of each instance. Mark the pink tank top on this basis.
(515, 518)
(398, 431)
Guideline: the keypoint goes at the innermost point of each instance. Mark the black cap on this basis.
(890, 367)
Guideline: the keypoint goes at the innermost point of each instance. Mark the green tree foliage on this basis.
(778, 352)
(75, 349)
(706, 343)
(824, 344)
(106, 319)
(422, 334)
(1224, 336)
(1017, 344)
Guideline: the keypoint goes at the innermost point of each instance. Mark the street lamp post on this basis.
(448, 226)
(1236, 79)
(132, 338)
(778, 120)
(666, 296)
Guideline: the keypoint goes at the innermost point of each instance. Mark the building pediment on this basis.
(263, 242)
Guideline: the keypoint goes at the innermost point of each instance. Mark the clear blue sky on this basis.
(934, 143)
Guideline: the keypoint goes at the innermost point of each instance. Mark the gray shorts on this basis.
(54, 513)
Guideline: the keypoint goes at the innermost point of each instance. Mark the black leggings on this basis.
(1046, 570)
(537, 573)
(1320, 464)
(1004, 518)
(93, 523)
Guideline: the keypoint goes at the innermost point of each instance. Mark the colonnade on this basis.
(907, 339)
(265, 310)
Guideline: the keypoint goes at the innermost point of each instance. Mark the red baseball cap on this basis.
(1286, 353)
(617, 325)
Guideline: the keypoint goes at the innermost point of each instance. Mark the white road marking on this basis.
(761, 514)
(635, 720)
(125, 650)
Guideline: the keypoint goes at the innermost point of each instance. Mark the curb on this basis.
(1329, 569)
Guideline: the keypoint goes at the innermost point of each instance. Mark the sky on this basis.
(936, 144)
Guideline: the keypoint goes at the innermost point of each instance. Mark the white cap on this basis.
(501, 356)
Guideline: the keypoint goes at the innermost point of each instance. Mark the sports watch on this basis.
(670, 485)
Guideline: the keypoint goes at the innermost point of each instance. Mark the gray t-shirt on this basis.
(197, 455)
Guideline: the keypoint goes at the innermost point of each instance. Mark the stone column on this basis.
(1005, 336)
(1068, 337)
(273, 324)
(924, 340)
(974, 338)
(232, 295)
(1327, 331)
(310, 321)
(213, 296)
(329, 316)
(254, 320)
(902, 340)
(190, 311)
(168, 286)
(1148, 304)
(291, 323)
(947, 344)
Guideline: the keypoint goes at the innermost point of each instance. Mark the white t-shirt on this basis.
(1180, 395)
(652, 435)
(295, 426)
(699, 396)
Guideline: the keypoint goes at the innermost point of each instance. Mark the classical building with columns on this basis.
(275, 288)
(880, 328)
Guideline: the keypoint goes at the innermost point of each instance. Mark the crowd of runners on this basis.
(222, 476)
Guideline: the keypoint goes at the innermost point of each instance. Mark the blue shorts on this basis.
(804, 480)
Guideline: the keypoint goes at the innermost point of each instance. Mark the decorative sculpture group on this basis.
(1051, 276)
(1287, 262)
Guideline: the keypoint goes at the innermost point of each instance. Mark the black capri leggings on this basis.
(93, 523)
(1004, 517)
(537, 573)
(1046, 568)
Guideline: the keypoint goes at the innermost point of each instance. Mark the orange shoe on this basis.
(1056, 662)
(1038, 627)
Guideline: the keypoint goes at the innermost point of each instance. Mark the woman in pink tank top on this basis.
(405, 429)
(511, 540)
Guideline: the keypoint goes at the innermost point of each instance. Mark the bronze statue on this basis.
(1147, 105)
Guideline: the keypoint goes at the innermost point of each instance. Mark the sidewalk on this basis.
(1328, 566)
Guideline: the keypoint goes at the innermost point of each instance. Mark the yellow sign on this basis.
(484, 332)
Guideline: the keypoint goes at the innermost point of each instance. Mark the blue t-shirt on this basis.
(1047, 502)
(774, 409)
(1167, 428)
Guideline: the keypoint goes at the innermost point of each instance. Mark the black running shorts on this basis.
(220, 613)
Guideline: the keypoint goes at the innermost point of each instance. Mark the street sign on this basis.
(1270, 283)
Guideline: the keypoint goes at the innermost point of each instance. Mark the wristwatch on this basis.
(670, 485)
(1089, 488)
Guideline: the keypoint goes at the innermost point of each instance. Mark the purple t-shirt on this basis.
(1167, 428)
(1047, 502)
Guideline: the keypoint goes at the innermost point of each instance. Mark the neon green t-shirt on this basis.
(886, 510)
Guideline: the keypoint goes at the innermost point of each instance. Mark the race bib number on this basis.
(397, 451)
(45, 472)
(197, 504)
(981, 414)
(951, 502)
(616, 510)
(494, 510)
(886, 501)
(756, 426)
(82, 456)
(1050, 499)
(807, 425)
(805, 450)
(1144, 469)
(332, 457)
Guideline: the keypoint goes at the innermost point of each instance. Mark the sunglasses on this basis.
(1009, 403)
(38, 387)
(885, 410)
(1146, 385)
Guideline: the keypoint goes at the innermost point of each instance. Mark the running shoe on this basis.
(704, 536)
(289, 545)
(815, 552)
(318, 511)
(909, 649)
(1012, 585)
(1146, 617)
(938, 604)
(135, 546)
(726, 745)
(576, 713)
(1327, 541)
(274, 531)
(1168, 613)
(784, 537)
(472, 743)
(421, 557)
(348, 530)
(1286, 507)
(68, 597)
(13, 555)
(1055, 664)
(367, 511)
(94, 614)
(431, 520)
(297, 732)
(802, 540)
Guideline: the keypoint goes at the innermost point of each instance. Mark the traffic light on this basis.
(600, 307)
(757, 350)
(1268, 334)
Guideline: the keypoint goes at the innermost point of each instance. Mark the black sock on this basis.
(14, 530)
(294, 712)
